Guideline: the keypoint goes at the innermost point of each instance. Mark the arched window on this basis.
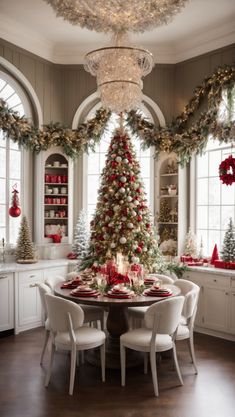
(11, 166)
(94, 162)
(214, 201)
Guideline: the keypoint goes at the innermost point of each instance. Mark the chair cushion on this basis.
(137, 312)
(85, 336)
(141, 338)
(182, 332)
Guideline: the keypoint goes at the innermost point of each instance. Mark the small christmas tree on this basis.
(81, 236)
(121, 222)
(164, 212)
(24, 249)
(228, 252)
(190, 248)
(201, 250)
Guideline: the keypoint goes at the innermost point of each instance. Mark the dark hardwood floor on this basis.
(211, 393)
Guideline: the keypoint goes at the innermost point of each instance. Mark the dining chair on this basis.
(190, 290)
(136, 314)
(93, 314)
(161, 321)
(43, 290)
(68, 333)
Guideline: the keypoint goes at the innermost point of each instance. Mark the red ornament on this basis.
(114, 164)
(215, 255)
(227, 170)
(139, 249)
(139, 218)
(14, 210)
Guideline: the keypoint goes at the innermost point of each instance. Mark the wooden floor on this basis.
(209, 394)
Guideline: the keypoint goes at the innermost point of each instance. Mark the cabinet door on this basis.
(60, 271)
(30, 310)
(6, 302)
(215, 308)
(232, 312)
(195, 277)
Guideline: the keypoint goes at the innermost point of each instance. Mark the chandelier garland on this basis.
(177, 137)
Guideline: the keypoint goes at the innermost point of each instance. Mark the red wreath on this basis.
(225, 174)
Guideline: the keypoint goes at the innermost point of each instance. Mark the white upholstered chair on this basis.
(161, 321)
(186, 327)
(68, 333)
(136, 314)
(92, 313)
(43, 290)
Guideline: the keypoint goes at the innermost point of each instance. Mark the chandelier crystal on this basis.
(117, 15)
(119, 71)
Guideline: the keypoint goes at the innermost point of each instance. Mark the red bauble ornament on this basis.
(139, 249)
(114, 164)
(139, 218)
(14, 210)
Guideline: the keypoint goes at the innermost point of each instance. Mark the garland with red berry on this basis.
(179, 137)
(226, 176)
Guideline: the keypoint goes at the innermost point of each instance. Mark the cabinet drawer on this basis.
(195, 277)
(60, 271)
(214, 280)
(30, 276)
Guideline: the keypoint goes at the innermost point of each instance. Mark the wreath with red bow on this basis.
(226, 176)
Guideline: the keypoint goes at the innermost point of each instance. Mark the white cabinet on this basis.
(216, 307)
(55, 272)
(28, 302)
(6, 302)
(171, 204)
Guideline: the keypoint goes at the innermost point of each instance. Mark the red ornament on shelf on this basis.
(215, 255)
(14, 210)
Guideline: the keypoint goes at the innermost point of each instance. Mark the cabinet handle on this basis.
(3, 276)
(215, 280)
(32, 276)
(226, 293)
(33, 285)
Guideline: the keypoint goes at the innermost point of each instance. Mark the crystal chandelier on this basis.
(117, 15)
(119, 70)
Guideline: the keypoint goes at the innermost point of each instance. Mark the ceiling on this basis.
(202, 26)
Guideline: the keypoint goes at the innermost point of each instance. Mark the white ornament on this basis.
(145, 249)
(118, 159)
(107, 218)
(114, 146)
(113, 245)
(122, 190)
(136, 185)
(125, 161)
(135, 260)
(122, 240)
(136, 202)
(133, 213)
(123, 219)
(130, 225)
(113, 155)
(129, 198)
(116, 208)
(123, 179)
(121, 201)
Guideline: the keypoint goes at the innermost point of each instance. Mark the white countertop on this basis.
(212, 270)
(41, 264)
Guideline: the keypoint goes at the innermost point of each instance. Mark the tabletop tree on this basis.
(121, 223)
(81, 236)
(228, 251)
(190, 247)
(24, 249)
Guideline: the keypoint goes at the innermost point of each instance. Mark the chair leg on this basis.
(72, 370)
(192, 352)
(102, 359)
(154, 371)
(177, 365)
(77, 358)
(48, 375)
(83, 356)
(47, 334)
(123, 364)
(145, 363)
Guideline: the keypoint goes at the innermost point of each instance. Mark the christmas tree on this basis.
(121, 223)
(24, 248)
(164, 212)
(190, 248)
(81, 236)
(228, 252)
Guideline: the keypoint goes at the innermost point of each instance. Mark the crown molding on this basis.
(170, 53)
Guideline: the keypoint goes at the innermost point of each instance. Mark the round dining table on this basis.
(117, 319)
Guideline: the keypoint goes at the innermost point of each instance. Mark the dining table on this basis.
(117, 319)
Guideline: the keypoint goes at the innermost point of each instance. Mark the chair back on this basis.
(43, 290)
(164, 316)
(164, 278)
(52, 281)
(191, 294)
(58, 310)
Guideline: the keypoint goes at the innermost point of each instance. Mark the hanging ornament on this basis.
(227, 170)
(14, 210)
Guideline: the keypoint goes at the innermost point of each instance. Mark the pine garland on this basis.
(179, 137)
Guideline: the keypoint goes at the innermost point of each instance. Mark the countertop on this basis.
(41, 264)
(212, 270)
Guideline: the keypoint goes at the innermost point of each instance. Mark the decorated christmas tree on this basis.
(24, 249)
(228, 251)
(81, 236)
(121, 223)
(164, 212)
(190, 248)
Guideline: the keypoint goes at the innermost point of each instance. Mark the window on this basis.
(95, 162)
(11, 166)
(215, 202)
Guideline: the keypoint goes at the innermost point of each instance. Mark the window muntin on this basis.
(215, 202)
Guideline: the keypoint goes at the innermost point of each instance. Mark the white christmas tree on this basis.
(228, 251)
(201, 250)
(190, 247)
(24, 249)
(81, 236)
